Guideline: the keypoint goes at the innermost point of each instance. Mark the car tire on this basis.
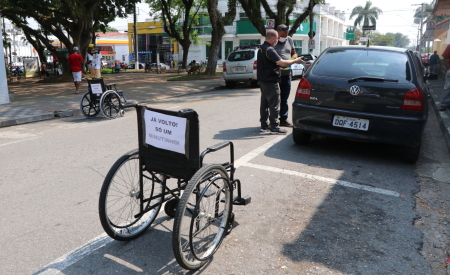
(411, 154)
(300, 138)
(254, 83)
(230, 84)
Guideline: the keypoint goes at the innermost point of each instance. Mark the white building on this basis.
(19, 45)
(329, 26)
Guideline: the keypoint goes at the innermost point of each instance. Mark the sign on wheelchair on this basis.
(167, 171)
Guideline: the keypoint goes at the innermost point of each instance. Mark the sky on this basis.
(397, 15)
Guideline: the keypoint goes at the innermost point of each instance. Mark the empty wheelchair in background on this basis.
(168, 170)
(104, 98)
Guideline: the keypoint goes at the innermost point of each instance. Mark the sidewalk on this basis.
(35, 101)
(436, 88)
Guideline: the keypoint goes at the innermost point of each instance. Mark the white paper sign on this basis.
(165, 132)
(96, 88)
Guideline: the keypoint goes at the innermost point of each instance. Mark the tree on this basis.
(218, 23)
(65, 19)
(285, 8)
(379, 39)
(180, 18)
(400, 40)
(365, 15)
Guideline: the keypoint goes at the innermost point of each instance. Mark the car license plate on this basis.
(351, 123)
(239, 69)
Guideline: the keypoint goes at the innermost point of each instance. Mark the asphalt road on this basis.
(332, 207)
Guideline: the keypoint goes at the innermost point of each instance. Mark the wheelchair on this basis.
(167, 170)
(104, 98)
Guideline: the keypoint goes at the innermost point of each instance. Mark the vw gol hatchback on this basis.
(360, 93)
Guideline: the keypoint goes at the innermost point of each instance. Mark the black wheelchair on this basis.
(104, 98)
(167, 170)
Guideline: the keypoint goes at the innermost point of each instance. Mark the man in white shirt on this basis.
(95, 61)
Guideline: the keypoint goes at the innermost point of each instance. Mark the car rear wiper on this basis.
(368, 78)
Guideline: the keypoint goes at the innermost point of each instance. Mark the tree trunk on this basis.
(185, 45)
(216, 43)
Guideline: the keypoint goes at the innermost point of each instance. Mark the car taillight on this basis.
(303, 89)
(307, 64)
(413, 100)
(224, 67)
(255, 65)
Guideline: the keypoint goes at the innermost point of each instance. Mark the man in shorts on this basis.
(76, 61)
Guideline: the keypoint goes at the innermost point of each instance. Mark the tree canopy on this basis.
(282, 14)
(71, 21)
(180, 17)
(365, 15)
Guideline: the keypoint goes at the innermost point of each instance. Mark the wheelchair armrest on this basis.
(109, 86)
(218, 146)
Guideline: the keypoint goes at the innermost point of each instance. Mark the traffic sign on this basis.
(311, 44)
(350, 36)
(431, 25)
(270, 23)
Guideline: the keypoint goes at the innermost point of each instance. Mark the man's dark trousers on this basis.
(270, 102)
(285, 90)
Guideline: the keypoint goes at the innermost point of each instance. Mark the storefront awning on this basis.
(107, 53)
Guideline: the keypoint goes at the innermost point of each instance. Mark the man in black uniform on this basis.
(268, 74)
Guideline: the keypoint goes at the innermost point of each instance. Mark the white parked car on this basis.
(298, 70)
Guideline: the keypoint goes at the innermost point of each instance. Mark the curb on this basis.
(77, 112)
(443, 119)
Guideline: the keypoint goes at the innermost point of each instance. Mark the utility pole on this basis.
(419, 37)
(136, 54)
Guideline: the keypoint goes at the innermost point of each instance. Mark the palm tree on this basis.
(365, 15)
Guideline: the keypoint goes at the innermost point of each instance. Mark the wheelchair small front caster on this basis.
(171, 207)
(122, 113)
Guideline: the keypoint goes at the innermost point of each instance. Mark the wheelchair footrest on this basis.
(242, 201)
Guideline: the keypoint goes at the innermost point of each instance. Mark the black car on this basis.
(363, 93)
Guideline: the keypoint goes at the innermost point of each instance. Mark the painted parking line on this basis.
(102, 240)
(74, 256)
(323, 179)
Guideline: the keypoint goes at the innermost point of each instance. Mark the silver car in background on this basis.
(240, 66)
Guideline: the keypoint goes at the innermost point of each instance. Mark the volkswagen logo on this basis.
(355, 90)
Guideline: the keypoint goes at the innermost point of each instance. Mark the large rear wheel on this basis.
(119, 203)
(203, 216)
(89, 105)
(110, 104)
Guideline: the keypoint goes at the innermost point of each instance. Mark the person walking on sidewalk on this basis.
(434, 61)
(268, 75)
(286, 50)
(445, 97)
(76, 61)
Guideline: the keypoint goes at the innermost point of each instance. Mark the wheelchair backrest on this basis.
(96, 86)
(169, 141)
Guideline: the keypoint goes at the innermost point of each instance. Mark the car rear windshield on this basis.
(241, 56)
(351, 63)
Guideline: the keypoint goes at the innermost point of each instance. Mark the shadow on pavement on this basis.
(351, 230)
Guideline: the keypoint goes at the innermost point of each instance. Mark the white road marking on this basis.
(251, 155)
(323, 179)
(17, 141)
(74, 256)
(83, 251)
